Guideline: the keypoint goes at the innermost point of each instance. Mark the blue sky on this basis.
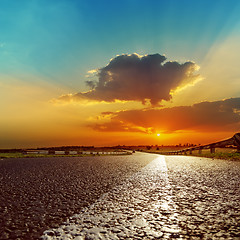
(63, 39)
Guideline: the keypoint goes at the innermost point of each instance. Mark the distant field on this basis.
(34, 155)
(234, 156)
(22, 155)
(163, 149)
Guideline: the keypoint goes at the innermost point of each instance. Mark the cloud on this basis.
(215, 116)
(138, 78)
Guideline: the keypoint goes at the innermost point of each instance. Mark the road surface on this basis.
(143, 196)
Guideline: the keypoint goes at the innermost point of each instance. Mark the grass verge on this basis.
(22, 155)
(220, 155)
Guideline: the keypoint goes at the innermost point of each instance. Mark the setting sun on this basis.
(158, 134)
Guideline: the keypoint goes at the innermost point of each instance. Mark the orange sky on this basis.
(88, 84)
(42, 117)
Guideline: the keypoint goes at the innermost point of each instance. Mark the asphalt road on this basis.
(40, 193)
(207, 195)
(143, 196)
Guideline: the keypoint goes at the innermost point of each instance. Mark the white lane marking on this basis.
(142, 206)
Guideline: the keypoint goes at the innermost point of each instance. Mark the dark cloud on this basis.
(91, 84)
(107, 113)
(115, 126)
(135, 78)
(204, 117)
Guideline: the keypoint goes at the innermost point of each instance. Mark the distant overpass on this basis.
(230, 142)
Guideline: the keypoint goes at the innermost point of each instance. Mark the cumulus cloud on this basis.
(221, 115)
(138, 78)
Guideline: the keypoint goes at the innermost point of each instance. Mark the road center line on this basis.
(142, 207)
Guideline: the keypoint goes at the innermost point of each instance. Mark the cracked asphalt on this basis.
(141, 196)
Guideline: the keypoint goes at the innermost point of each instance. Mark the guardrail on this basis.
(62, 152)
(230, 142)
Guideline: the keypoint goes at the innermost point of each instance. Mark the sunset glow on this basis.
(125, 72)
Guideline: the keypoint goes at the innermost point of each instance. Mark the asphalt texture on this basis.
(40, 193)
(207, 194)
(143, 196)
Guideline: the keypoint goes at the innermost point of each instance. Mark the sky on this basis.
(127, 72)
